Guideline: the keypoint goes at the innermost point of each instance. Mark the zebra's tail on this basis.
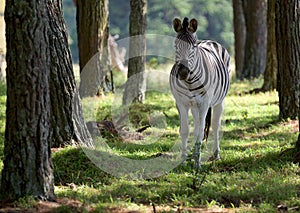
(207, 124)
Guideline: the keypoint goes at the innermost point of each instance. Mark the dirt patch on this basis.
(293, 125)
(71, 205)
(46, 206)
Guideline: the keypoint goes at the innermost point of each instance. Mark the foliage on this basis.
(214, 17)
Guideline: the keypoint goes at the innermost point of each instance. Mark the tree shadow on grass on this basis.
(72, 166)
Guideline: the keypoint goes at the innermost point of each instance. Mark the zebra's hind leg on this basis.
(216, 123)
(199, 114)
(184, 128)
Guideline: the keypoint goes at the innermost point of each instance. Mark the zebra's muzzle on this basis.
(183, 72)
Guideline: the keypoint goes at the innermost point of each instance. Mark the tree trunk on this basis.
(28, 168)
(270, 75)
(288, 52)
(67, 120)
(136, 83)
(256, 33)
(1, 60)
(94, 58)
(2, 39)
(43, 105)
(298, 141)
(239, 35)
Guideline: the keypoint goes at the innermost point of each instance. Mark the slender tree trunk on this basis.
(256, 37)
(288, 52)
(94, 57)
(28, 168)
(270, 75)
(239, 35)
(136, 83)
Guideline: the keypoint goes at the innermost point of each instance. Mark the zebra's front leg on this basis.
(184, 128)
(199, 114)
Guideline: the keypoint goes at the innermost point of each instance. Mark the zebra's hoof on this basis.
(184, 157)
(214, 157)
(198, 168)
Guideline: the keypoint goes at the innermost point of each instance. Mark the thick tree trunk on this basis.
(94, 58)
(270, 75)
(136, 83)
(67, 117)
(43, 105)
(239, 35)
(256, 37)
(27, 161)
(2, 40)
(288, 52)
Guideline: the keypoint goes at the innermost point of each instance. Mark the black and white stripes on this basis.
(199, 80)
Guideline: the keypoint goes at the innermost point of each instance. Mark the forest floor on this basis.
(71, 205)
(256, 172)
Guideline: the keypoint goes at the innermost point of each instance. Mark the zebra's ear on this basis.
(193, 25)
(177, 25)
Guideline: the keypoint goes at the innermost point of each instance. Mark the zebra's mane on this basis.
(187, 36)
(185, 24)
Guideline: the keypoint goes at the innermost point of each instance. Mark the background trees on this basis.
(239, 36)
(215, 19)
(255, 43)
(270, 75)
(136, 84)
(92, 29)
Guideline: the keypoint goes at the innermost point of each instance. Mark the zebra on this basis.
(199, 80)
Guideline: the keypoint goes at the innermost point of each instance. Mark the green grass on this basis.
(255, 173)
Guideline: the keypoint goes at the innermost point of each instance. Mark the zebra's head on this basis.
(185, 45)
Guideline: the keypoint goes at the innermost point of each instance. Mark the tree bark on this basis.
(94, 57)
(43, 105)
(136, 83)
(256, 33)
(239, 35)
(1, 60)
(28, 168)
(67, 120)
(288, 53)
(270, 75)
(2, 39)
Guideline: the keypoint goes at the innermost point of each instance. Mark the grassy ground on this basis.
(255, 173)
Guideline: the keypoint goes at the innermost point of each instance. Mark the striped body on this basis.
(199, 81)
(209, 76)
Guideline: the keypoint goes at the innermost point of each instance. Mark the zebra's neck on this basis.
(199, 78)
(195, 65)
